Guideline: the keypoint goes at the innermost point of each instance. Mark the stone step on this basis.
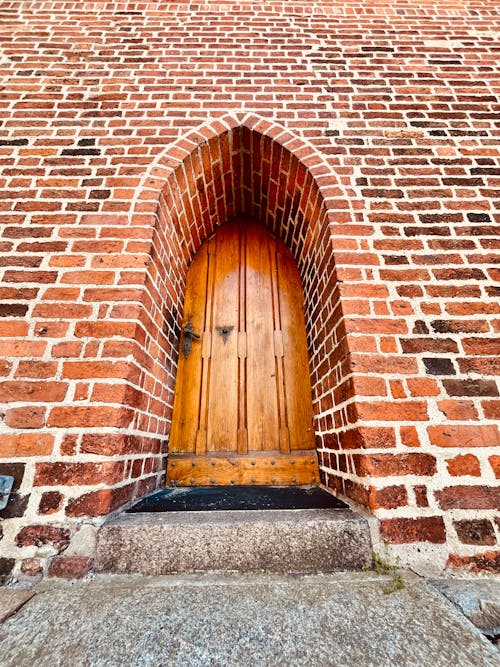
(287, 541)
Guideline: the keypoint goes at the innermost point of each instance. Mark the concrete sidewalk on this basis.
(256, 620)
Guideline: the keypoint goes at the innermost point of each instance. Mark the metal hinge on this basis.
(6, 482)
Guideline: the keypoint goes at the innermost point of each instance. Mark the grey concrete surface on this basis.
(294, 541)
(478, 599)
(258, 620)
(11, 600)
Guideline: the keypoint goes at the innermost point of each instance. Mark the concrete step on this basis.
(243, 620)
(286, 541)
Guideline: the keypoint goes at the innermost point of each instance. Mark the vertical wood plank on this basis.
(222, 427)
(262, 403)
(187, 388)
(279, 354)
(242, 345)
(297, 383)
(201, 435)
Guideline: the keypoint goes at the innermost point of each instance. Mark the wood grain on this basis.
(301, 468)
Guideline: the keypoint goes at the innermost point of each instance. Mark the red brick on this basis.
(464, 436)
(397, 411)
(43, 534)
(464, 464)
(421, 497)
(489, 561)
(495, 464)
(26, 444)
(33, 391)
(491, 409)
(89, 416)
(381, 465)
(366, 437)
(422, 387)
(409, 436)
(469, 497)
(59, 473)
(27, 417)
(481, 346)
(98, 503)
(423, 529)
(97, 369)
(389, 497)
(70, 567)
(458, 410)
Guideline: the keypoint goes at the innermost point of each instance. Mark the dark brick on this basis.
(459, 326)
(50, 502)
(74, 152)
(439, 366)
(15, 470)
(6, 567)
(427, 231)
(478, 217)
(13, 309)
(487, 171)
(471, 387)
(475, 531)
(14, 142)
(16, 507)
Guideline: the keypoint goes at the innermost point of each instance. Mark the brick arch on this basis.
(253, 167)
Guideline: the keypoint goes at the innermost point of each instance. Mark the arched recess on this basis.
(242, 166)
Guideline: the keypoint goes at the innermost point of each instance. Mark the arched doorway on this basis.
(243, 409)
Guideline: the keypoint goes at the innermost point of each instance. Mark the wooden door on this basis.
(242, 408)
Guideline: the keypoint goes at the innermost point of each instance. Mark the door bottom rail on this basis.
(222, 470)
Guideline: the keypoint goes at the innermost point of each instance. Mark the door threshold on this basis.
(255, 497)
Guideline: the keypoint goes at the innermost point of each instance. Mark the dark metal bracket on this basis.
(188, 335)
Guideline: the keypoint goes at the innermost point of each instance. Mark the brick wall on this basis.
(364, 135)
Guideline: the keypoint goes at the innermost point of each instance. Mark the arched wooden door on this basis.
(242, 408)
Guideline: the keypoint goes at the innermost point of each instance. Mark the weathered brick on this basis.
(50, 502)
(475, 531)
(389, 497)
(471, 387)
(26, 417)
(70, 474)
(97, 503)
(70, 567)
(464, 436)
(424, 529)
(43, 534)
(382, 465)
(469, 497)
(488, 561)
